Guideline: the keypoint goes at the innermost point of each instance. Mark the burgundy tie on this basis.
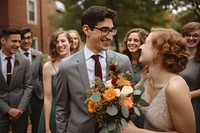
(26, 53)
(97, 68)
(8, 70)
(98, 73)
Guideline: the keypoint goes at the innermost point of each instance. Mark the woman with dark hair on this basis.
(59, 48)
(191, 32)
(168, 94)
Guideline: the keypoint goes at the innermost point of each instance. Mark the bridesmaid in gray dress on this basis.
(168, 94)
(191, 32)
(59, 48)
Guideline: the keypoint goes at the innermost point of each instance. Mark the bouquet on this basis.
(116, 101)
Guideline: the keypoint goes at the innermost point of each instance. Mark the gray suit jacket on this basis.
(71, 111)
(18, 94)
(36, 66)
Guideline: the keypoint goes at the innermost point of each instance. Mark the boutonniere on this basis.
(17, 62)
(34, 55)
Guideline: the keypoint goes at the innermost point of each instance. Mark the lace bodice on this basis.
(157, 117)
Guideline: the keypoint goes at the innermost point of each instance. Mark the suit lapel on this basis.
(81, 66)
(17, 62)
(1, 75)
(33, 54)
(109, 58)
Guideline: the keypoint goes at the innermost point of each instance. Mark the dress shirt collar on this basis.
(3, 56)
(22, 51)
(88, 53)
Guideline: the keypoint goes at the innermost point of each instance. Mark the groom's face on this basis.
(101, 36)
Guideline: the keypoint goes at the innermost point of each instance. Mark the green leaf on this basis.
(143, 103)
(137, 92)
(112, 110)
(117, 129)
(124, 122)
(96, 97)
(125, 111)
(141, 88)
(111, 126)
(136, 110)
(104, 130)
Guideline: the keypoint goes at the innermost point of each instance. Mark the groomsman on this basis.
(16, 84)
(36, 60)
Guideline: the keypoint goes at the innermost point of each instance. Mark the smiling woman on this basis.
(164, 53)
(191, 32)
(59, 48)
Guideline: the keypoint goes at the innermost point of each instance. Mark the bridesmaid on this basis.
(59, 48)
(191, 32)
(133, 40)
(77, 43)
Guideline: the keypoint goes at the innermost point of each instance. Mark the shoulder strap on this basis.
(54, 67)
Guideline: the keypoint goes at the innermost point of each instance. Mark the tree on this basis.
(131, 14)
(188, 6)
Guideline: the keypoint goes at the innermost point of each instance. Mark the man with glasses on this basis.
(77, 72)
(36, 60)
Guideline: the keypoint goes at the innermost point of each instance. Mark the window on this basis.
(35, 43)
(32, 11)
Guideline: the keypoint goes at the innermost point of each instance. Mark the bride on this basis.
(170, 108)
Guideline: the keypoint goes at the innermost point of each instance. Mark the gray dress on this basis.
(192, 76)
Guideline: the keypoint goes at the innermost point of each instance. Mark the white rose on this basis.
(118, 92)
(108, 84)
(126, 90)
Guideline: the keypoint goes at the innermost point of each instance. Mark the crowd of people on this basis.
(53, 93)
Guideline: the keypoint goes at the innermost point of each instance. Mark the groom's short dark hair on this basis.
(95, 14)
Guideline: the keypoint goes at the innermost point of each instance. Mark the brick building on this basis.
(33, 14)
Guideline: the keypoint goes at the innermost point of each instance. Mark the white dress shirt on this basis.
(90, 65)
(4, 64)
(29, 55)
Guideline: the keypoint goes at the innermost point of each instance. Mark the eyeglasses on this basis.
(194, 36)
(28, 38)
(105, 30)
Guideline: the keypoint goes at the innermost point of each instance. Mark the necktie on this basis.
(97, 68)
(26, 53)
(98, 73)
(8, 70)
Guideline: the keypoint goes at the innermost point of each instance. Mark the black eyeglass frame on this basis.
(106, 30)
(194, 36)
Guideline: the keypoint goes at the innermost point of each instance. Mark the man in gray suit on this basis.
(36, 60)
(15, 84)
(76, 74)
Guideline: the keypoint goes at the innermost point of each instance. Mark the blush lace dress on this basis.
(157, 117)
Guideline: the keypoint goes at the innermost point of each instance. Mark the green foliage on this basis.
(96, 97)
(125, 111)
(192, 6)
(112, 110)
(131, 14)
